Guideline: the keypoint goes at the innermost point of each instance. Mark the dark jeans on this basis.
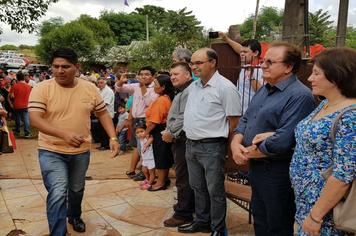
(26, 120)
(123, 140)
(206, 162)
(272, 198)
(184, 208)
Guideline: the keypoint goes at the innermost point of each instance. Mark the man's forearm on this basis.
(106, 122)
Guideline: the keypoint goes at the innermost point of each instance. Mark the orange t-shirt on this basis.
(68, 109)
(157, 112)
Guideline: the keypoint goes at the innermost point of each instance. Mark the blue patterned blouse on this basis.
(312, 156)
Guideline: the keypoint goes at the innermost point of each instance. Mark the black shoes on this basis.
(217, 233)
(195, 227)
(163, 187)
(139, 176)
(103, 148)
(78, 224)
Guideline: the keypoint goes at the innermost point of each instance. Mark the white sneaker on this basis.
(121, 152)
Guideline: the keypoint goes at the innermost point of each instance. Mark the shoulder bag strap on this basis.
(335, 123)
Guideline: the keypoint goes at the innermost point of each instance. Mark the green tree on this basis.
(48, 25)
(156, 53)
(24, 46)
(22, 14)
(102, 34)
(269, 25)
(184, 26)
(101, 29)
(156, 15)
(127, 27)
(71, 35)
(351, 37)
(320, 29)
(9, 47)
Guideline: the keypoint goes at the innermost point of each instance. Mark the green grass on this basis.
(33, 131)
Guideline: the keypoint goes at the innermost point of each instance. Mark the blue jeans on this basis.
(26, 120)
(272, 199)
(143, 121)
(206, 162)
(123, 140)
(64, 178)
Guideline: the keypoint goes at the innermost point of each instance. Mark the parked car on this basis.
(37, 68)
(15, 63)
(23, 58)
(13, 53)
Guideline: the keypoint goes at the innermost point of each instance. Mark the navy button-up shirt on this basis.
(276, 109)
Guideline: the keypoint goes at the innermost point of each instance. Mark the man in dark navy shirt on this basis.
(277, 107)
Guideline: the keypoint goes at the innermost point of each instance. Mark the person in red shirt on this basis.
(20, 92)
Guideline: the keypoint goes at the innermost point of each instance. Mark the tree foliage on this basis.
(269, 25)
(156, 53)
(48, 25)
(127, 27)
(351, 37)
(320, 29)
(71, 35)
(156, 15)
(22, 14)
(9, 47)
(184, 26)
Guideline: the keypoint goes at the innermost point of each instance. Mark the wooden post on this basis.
(234, 33)
(293, 23)
(342, 23)
(255, 20)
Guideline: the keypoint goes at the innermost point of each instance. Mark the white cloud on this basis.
(218, 15)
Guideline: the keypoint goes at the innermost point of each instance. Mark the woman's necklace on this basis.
(327, 105)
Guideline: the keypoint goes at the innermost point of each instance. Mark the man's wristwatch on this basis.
(114, 139)
(253, 78)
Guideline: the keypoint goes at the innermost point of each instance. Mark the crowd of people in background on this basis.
(189, 117)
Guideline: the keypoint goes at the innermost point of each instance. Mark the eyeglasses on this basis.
(198, 63)
(270, 62)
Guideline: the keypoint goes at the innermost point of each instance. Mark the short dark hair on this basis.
(253, 44)
(292, 54)
(67, 54)
(150, 68)
(20, 76)
(140, 126)
(339, 66)
(183, 53)
(212, 55)
(184, 65)
(121, 104)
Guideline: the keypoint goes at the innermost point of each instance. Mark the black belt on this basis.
(208, 140)
(139, 119)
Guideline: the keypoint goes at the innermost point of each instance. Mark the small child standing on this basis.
(121, 129)
(148, 162)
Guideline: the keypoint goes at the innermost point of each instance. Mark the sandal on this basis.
(144, 182)
(144, 187)
(130, 173)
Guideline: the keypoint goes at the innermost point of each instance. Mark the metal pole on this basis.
(147, 36)
(306, 28)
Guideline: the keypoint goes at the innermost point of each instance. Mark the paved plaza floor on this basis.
(113, 204)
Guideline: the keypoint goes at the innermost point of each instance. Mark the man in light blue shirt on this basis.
(211, 113)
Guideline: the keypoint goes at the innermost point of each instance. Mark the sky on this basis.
(218, 15)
